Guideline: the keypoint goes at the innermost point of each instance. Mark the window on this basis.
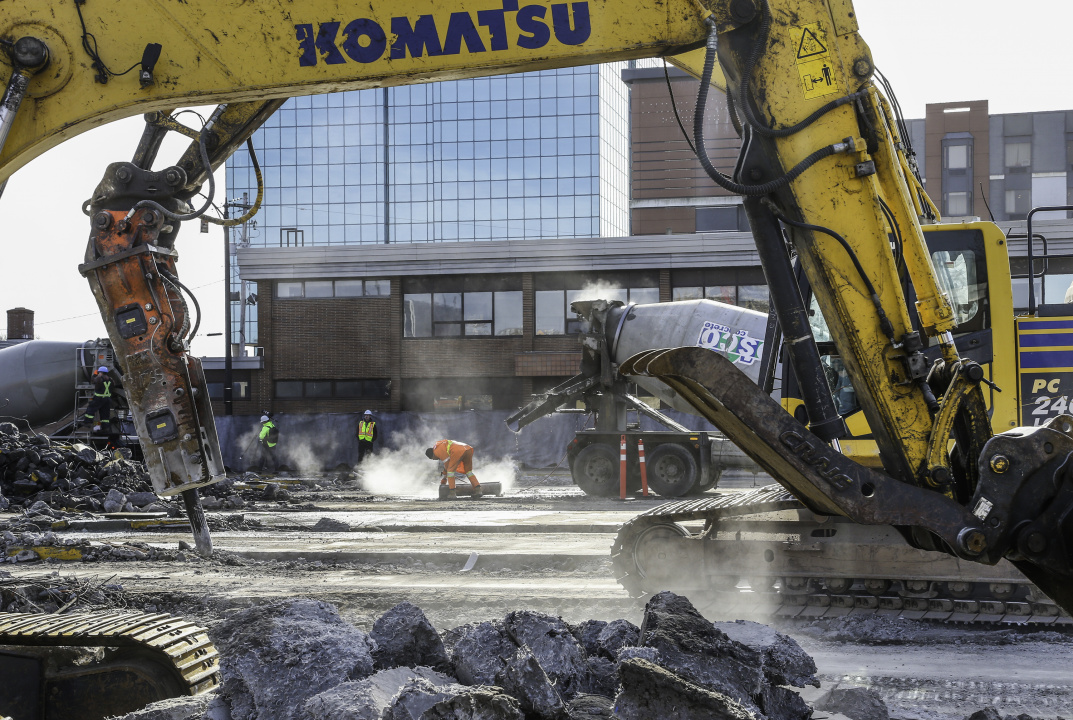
(957, 157)
(333, 388)
(751, 296)
(1018, 203)
(507, 309)
(550, 312)
(694, 292)
(956, 272)
(727, 218)
(333, 288)
(348, 288)
(1018, 154)
(288, 388)
(956, 203)
(446, 314)
(288, 289)
(417, 315)
(472, 307)
(377, 288)
(240, 384)
(644, 296)
(319, 289)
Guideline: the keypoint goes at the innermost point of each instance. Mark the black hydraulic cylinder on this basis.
(804, 356)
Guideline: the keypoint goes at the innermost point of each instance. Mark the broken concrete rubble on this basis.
(475, 703)
(702, 654)
(785, 663)
(554, 646)
(650, 691)
(524, 678)
(856, 703)
(34, 468)
(368, 699)
(404, 636)
(275, 657)
(590, 707)
(479, 652)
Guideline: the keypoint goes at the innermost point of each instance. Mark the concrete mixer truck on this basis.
(46, 386)
(678, 460)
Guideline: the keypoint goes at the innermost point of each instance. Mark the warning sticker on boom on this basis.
(813, 58)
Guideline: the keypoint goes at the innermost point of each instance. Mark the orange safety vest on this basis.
(365, 430)
(451, 452)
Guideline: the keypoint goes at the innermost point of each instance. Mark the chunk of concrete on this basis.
(275, 657)
(785, 663)
(367, 699)
(587, 633)
(555, 647)
(692, 647)
(603, 677)
(649, 691)
(616, 635)
(590, 707)
(524, 679)
(782, 703)
(405, 637)
(180, 708)
(988, 713)
(476, 703)
(479, 652)
(417, 696)
(856, 703)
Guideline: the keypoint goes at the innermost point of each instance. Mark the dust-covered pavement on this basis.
(542, 548)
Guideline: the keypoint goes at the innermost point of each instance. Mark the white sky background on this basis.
(1016, 56)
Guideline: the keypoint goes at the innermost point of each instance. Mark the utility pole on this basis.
(229, 384)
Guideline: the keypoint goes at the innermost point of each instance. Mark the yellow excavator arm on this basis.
(823, 169)
(202, 52)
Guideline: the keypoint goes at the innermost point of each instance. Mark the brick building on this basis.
(483, 321)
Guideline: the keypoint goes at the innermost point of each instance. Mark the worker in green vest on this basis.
(268, 439)
(367, 435)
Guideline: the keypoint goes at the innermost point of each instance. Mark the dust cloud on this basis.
(405, 470)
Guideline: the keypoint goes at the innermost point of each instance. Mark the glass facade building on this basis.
(512, 157)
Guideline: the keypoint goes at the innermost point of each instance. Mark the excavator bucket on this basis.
(90, 666)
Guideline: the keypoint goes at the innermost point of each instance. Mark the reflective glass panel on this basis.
(318, 288)
(417, 315)
(348, 288)
(288, 289)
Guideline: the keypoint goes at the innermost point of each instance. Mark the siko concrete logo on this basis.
(530, 27)
(737, 345)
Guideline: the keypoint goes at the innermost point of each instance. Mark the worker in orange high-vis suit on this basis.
(457, 458)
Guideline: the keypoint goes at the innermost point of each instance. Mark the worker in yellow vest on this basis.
(268, 438)
(101, 404)
(367, 434)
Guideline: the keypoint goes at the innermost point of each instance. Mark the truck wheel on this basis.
(596, 470)
(672, 470)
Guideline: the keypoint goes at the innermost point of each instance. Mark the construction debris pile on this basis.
(299, 660)
(57, 593)
(33, 469)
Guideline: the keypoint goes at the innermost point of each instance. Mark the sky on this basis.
(1014, 56)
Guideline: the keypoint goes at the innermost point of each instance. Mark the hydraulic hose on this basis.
(750, 65)
(702, 154)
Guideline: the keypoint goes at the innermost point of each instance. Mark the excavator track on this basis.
(763, 551)
(148, 657)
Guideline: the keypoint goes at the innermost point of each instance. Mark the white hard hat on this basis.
(368, 412)
(264, 418)
(102, 368)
